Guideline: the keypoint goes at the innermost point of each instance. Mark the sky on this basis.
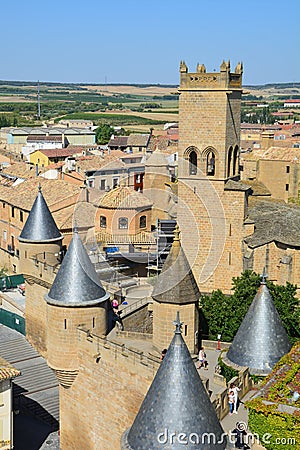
(131, 41)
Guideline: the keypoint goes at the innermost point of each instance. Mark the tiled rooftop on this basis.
(7, 371)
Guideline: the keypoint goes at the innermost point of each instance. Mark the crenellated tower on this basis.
(212, 201)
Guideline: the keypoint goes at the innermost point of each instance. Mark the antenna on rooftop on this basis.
(38, 99)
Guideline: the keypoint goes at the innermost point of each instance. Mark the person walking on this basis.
(202, 359)
(235, 390)
(231, 401)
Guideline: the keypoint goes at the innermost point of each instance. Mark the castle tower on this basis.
(261, 339)
(40, 245)
(177, 410)
(175, 290)
(75, 298)
(212, 202)
(156, 175)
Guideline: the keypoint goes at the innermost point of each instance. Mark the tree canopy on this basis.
(103, 133)
(223, 314)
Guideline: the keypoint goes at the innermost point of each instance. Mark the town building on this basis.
(134, 143)
(7, 374)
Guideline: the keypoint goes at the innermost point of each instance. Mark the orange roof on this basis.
(7, 371)
(124, 197)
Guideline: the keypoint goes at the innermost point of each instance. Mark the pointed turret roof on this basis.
(176, 402)
(176, 282)
(40, 225)
(76, 283)
(261, 339)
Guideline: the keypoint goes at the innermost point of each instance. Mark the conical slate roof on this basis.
(40, 225)
(261, 339)
(76, 283)
(176, 282)
(176, 402)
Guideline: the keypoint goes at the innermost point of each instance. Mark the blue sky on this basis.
(143, 41)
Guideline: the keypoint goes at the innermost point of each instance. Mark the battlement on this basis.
(202, 80)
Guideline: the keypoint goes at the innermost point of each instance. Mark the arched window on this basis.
(235, 168)
(193, 163)
(229, 162)
(210, 163)
(102, 222)
(123, 223)
(143, 222)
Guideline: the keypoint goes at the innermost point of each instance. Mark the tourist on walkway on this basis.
(202, 359)
(235, 390)
(231, 401)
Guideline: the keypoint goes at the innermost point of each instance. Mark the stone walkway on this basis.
(229, 422)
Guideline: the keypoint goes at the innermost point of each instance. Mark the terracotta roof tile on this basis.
(7, 371)
(124, 197)
(59, 152)
(20, 170)
(275, 153)
(138, 140)
(24, 194)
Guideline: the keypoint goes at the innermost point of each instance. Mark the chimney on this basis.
(267, 139)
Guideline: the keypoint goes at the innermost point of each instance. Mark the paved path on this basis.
(229, 422)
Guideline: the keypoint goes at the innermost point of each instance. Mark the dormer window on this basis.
(123, 223)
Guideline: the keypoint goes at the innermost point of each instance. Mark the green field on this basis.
(112, 119)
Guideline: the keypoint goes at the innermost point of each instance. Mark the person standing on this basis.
(202, 359)
(231, 401)
(235, 390)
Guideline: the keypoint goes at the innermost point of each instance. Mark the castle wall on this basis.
(280, 177)
(105, 397)
(62, 350)
(155, 190)
(140, 321)
(112, 218)
(211, 221)
(282, 263)
(163, 328)
(35, 317)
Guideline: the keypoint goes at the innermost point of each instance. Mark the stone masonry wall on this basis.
(105, 397)
(163, 328)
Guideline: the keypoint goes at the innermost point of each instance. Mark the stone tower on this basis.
(176, 412)
(75, 298)
(156, 176)
(261, 339)
(40, 248)
(175, 290)
(212, 201)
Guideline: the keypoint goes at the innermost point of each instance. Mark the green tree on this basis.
(224, 315)
(103, 133)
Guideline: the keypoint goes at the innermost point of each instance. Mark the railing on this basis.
(135, 306)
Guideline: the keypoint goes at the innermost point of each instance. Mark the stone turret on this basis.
(75, 298)
(261, 339)
(177, 411)
(40, 249)
(40, 237)
(175, 289)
